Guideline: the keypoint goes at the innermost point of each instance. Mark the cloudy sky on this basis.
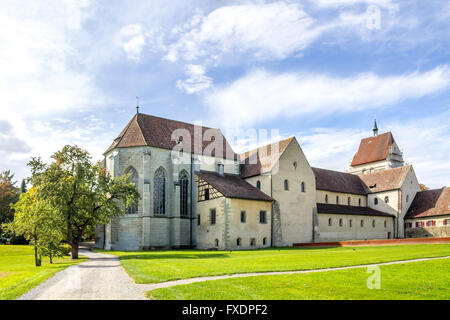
(317, 69)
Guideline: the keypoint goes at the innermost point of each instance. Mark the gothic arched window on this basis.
(132, 178)
(303, 187)
(258, 184)
(286, 185)
(184, 184)
(159, 192)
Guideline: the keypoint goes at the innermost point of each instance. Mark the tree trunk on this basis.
(74, 251)
(37, 261)
(50, 256)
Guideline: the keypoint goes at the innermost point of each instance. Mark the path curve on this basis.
(99, 278)
(149, 287)
(103, 278)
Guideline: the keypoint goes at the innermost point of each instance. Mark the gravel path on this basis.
(103, 278)
(99, 278)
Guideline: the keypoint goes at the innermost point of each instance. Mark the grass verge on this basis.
(18, 274)
(161, 266)
(409, 281)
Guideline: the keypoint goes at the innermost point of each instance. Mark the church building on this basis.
(196, 192)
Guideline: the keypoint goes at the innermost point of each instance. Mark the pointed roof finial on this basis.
(375, 128)
(137, 105)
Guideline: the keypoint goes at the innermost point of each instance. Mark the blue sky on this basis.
(320, 70)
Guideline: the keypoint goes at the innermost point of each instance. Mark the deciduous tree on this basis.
(82, 193)
(37, 221)
(8, 196)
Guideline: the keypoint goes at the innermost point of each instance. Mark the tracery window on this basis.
(184, 190)
(134, 178)
(159, 192)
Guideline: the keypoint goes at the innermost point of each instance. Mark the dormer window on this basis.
(220, 168)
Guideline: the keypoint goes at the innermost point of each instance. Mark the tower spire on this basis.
(375, 128)
(137, 105)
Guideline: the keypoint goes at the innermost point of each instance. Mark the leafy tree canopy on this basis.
(82, 192)
(8, 195)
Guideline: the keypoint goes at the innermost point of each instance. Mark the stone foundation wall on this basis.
(431, 232)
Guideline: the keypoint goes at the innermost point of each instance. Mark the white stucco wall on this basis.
(335, 232)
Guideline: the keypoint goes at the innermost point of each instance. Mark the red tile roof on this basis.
(373, 149)
(147, 130)
(384, 180)
(263, 159)
(233, 186)
(336, 181)
(352, 210)
(430, 203)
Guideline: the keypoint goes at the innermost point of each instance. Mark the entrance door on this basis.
(389, 235)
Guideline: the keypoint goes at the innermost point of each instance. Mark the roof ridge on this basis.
(192, 124)
(140, 128)
(267, 144)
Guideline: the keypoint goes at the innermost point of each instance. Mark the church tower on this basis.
(377, 153)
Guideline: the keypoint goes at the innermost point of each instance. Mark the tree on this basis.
(8, 196)
(36, 220)
(23, 186)
(82, 193)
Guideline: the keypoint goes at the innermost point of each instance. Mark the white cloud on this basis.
(197, 80)
(273, 30)
(262, 95)
(425, 144)
(133, 40)
(386, 4)
(330, 148)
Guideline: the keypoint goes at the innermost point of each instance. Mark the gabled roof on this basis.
(233, 186)
(336, 181)
(373, 149)
(384, 180)
(147, 130)
(352, 210)
(430, 203)
(263, 159)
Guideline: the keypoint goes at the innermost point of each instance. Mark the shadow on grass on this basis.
(154, 256)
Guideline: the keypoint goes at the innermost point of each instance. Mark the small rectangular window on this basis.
(263, 216)
(243, 217)
(198, 219)
(212, 214)
(206, 194)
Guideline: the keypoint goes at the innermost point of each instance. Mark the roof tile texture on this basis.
(233, 186)
(373, 149)
(430, 203)
(146, 130)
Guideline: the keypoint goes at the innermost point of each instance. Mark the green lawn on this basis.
(160, 266)
(409, 281)
(18, 274)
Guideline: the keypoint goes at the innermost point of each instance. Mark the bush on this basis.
(66, 248)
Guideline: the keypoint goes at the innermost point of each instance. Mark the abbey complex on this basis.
(197, 193)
